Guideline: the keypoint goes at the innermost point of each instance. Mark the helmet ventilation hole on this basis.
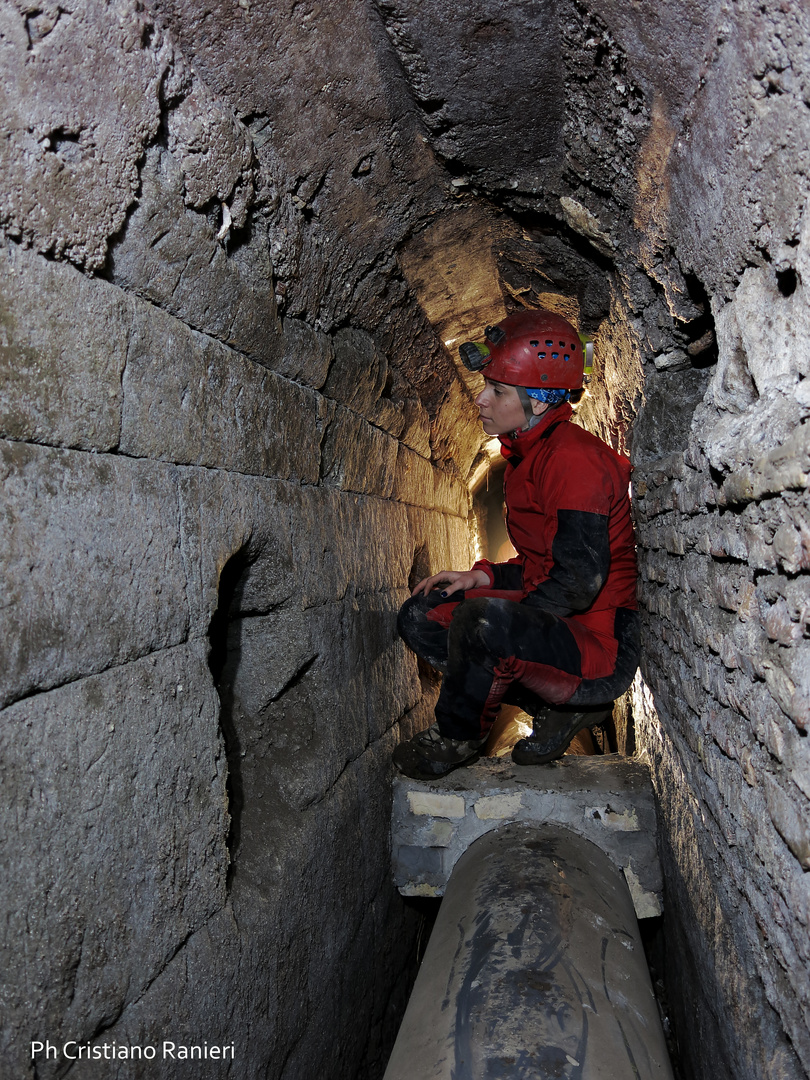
(554, 355)
(566, 357)
(534, 344)
(549, 343)
(541, 356)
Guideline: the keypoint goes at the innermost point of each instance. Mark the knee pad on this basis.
(482, 624)
(411, 615)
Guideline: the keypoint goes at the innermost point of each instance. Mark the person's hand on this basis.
(453, 580)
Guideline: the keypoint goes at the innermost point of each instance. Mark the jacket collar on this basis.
(518, 446)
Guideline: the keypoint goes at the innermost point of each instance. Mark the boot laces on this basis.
(431, 736)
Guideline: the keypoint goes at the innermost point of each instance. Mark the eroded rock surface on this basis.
(239, 249)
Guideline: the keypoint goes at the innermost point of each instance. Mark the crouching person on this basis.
(556, 629)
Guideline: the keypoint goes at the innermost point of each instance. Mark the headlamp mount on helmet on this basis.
(475, 355)
(531, 348)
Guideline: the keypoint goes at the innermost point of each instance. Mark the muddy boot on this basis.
(552, 732)
(430, 754)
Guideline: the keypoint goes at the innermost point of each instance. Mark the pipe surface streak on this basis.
(535, 968)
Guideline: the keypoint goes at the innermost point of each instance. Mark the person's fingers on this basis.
(426, 584)
(420, 587)
(437, 579)
(450, 577)
(459, 583)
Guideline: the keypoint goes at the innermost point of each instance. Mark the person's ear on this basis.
(538, 407)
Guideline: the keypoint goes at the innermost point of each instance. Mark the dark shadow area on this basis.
(223, 655)
(653, 938)
(426, 908)
(699, 334)
(787, 280)
(429, 677)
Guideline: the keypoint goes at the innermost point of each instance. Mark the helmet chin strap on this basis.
(526, 402)
(532, 417)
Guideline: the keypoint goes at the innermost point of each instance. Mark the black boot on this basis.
(552, 733)
(430, 754)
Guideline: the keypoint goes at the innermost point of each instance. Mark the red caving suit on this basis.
(559, 623)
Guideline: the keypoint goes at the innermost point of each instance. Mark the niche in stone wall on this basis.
(263, 660)
(223, 659)
(420, 567)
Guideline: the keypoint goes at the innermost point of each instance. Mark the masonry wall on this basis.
(213, 498)
(721, 496)
(724, 527)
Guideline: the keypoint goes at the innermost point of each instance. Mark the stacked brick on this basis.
(725, 552)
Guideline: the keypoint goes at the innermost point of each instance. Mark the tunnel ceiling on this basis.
(511, 157)
(393, 139)
(525, 153)
(488, 85)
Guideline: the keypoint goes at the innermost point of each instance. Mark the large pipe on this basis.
(535, 969)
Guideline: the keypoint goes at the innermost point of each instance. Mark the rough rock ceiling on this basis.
(489, 84)
(388, 137)
(452, 267)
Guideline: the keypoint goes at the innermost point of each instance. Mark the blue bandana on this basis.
(550, 397)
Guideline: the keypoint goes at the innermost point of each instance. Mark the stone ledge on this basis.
(608, 800)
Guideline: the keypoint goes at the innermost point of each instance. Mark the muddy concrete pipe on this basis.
(535, 968)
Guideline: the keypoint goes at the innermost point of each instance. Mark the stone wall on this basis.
(721, 495)
(724, 528)
(215, 488)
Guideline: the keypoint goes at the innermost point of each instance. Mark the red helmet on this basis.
(530, 348)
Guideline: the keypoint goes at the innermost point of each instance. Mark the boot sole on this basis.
(413, 772)
(529, 757)
(523, 754)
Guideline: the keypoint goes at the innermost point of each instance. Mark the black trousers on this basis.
(493, 649)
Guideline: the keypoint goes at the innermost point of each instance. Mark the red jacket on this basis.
(568, 517)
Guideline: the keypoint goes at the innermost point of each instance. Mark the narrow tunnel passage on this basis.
(238, 252)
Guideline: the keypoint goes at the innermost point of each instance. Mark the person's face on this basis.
(500, 409)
